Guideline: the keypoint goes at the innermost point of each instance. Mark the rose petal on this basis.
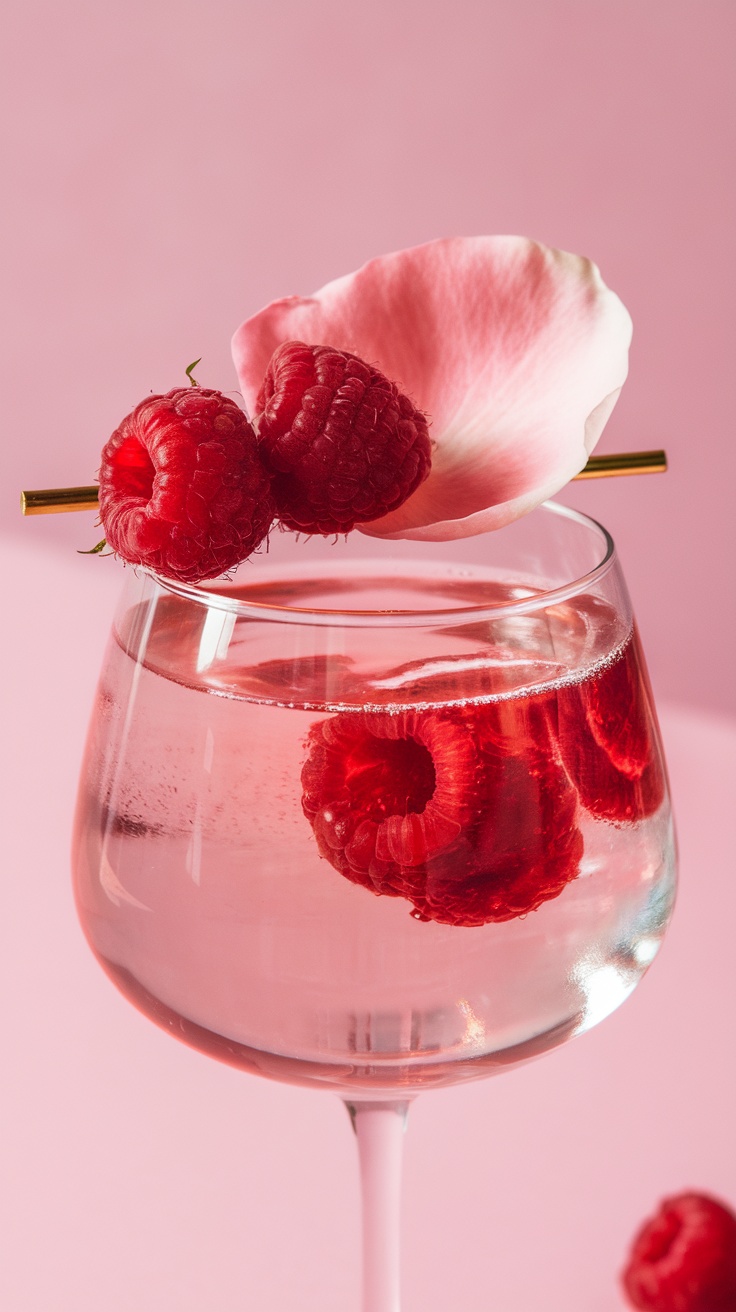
(516, 352)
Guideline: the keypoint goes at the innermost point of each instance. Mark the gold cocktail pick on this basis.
(55, 500)
(626, 462)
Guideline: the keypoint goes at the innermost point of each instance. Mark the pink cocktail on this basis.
(379, 823)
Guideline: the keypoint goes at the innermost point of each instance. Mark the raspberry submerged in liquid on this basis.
(606, 740)
(343, 444)
(182, 488)
(525, 846)
(388, 793)
(439, 808)
(684, 1258)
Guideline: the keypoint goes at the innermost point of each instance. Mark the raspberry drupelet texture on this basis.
(343, 444)
(606, 741)
(459, 811)
(684, 1258)
(525, 846)
(388, 793)
(182, 488)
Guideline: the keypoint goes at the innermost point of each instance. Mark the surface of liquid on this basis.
(201, 884)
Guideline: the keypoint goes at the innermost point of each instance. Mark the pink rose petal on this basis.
(516, 352)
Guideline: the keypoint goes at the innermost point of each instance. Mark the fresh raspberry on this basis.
(387, 793)
(684, 1258)
(606, 738)
(182, 488)
(344, 445)
(439, 808)
(526, 846)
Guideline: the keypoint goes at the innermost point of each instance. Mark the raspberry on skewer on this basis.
(182, 488)
(343, 444)
(517, 352)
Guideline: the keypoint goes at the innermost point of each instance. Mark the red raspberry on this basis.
(344, 445)
(387, 793)
(182, 489)
(526, 846)
(684, 1258)
(438, 808)
(606, 737)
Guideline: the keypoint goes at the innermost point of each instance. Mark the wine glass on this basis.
(379, 818)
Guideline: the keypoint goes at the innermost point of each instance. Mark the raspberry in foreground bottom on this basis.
(684, 1258)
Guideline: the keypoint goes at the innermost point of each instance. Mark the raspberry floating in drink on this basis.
(526, 846)
(444, 809)
(473, 813)
(684, 1258)
(388, 794)
(607, 743)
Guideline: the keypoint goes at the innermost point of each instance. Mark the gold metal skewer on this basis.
(626, 462)
(55, 500)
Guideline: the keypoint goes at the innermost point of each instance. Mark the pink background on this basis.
(171, 168)
(168, 169)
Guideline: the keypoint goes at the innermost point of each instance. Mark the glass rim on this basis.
(203, 595)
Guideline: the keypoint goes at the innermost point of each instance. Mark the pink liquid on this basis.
(202, 890)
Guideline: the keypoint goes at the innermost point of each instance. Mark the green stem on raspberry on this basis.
(97, 550)
(190, 375)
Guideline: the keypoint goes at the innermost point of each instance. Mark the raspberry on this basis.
(344, 445)
(684, 1258)
(526, 846)
(182, 489)
(387, 793)
(607, 743)
(439, 808)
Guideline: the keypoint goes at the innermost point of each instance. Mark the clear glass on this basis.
(377, 818)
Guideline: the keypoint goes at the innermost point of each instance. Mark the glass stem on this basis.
(379, 1127)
